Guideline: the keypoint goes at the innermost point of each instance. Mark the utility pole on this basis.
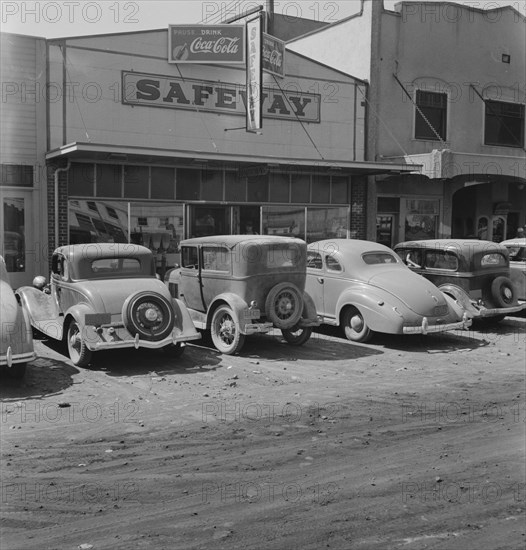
(270, 16)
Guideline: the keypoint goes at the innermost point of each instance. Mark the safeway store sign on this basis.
(216, 97)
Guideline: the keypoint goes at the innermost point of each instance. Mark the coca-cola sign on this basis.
(273, 55)
(206, 44)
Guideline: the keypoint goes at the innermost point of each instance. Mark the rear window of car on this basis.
(493, 260)
(116, 266)
(283, 256)
(372, 258)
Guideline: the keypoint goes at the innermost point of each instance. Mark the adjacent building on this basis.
(447, 88)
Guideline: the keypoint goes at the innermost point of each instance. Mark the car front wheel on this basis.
(225, 332)
(296, 336)
(354, 326)
(79, 353)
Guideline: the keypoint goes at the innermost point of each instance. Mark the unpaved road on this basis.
(414, 442)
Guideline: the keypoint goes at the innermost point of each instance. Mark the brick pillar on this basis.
(62, 207)
(359, 208)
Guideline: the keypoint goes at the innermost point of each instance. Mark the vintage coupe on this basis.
(16, 343)
(363, 287)
(475, 273)
(236, 285)
(106, 296)
(517, 251)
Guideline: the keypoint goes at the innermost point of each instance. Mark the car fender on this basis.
(236, 304)
(380, 318)
(42, 311)
(309, 308)
(183, 322)
(460, 298)
(15, 332)
(78, 313)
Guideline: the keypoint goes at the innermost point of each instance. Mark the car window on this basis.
(216, 258)
(115, 266)
(372, 258)
(189, 257)
(493, 260)
(441, 259)
(314, 260)
(412, 258)
(283, 256)
(332, 263)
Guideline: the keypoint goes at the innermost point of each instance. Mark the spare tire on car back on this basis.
(503, 292)
(284, 305)
(149, 315)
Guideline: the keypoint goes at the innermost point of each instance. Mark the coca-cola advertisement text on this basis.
(206, 44)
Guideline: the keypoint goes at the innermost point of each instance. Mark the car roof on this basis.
(103, 250)
(348, 246)
(458, 245)
(518, 241)
(230, 241)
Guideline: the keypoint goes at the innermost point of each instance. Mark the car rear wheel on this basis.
(503, 292)
(149, 315)
(79, 353)
(225, 331)
(284, 305)
(354, 325)
(296, 336)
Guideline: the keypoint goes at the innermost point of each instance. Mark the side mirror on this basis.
(39, 282)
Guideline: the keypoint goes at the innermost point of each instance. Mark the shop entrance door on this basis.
(16, 236)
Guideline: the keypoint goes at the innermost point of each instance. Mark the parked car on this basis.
(106, 296)
(236, 285)
(517, 251)
(16, 338)
(364, 287)
(475, 273)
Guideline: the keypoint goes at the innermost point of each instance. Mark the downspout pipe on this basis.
(57, 173)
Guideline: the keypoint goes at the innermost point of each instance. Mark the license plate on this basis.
(252, 314)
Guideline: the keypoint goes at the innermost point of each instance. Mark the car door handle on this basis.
(321, 280)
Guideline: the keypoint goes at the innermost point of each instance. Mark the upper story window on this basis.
(433, 106)
(504, 124)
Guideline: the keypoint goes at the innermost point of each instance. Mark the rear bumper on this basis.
(257, 328)
(426, 328)
(138, 343)
(11, 358)
(492, 312)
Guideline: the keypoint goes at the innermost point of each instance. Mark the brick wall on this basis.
(359, 208)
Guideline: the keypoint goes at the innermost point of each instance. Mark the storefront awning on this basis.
(121, 154)
(474, 167)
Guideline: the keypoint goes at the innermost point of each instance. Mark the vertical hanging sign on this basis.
(254, 75)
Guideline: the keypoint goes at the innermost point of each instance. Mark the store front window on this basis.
(287, 221)
(327, 223)
(421, 219)
(158, 227)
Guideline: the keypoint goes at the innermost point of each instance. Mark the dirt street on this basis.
(408, 442)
